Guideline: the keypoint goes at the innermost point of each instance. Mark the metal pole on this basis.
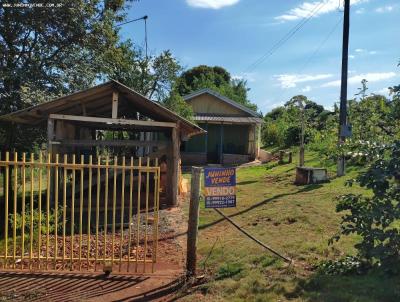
(343, 89)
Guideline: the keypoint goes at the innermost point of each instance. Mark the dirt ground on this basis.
(158, 286)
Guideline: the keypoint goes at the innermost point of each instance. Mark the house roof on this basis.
(222, 98)
(228, 119)
(97, 102)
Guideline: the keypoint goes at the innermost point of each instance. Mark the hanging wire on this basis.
(145, 29)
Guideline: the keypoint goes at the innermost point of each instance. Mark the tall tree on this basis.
(50, 51)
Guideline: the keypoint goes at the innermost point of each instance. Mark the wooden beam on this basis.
(50, 134)
(111, 121)
(114, 113)
(111, 143)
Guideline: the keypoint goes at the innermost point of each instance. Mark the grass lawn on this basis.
(295, 220)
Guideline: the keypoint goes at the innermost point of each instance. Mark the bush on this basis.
(376, 219)
(43, 225)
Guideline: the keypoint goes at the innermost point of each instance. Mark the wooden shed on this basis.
(76, 124)
(232, 131)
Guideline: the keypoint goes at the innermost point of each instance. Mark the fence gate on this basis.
(64, 213)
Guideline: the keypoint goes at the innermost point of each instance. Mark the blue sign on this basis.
(220, 187)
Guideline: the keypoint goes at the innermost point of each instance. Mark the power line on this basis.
(144, 18)
(316, 51)
(130, 21)
(321, 45)
(285, 38)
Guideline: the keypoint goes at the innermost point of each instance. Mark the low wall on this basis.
(193, 158)
(200, 158)
(235, 159)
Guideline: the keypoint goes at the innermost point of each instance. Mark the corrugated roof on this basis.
(222, 98)
(228, 119)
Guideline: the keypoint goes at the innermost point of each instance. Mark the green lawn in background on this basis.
(295, 220)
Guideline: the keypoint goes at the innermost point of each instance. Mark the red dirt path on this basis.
(47, 286)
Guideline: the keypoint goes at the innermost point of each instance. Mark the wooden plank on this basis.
(111, 121)
(112, 143)
(114, 112)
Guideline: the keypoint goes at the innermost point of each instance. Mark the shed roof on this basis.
(97, 102)
(222, 98)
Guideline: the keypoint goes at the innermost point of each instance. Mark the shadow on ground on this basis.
(26, 286)
(371, 287)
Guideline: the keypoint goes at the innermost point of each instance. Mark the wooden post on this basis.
(290, 157)
(221, 147)
(281, 155)
(206, 141)
(50, 135)
(258, 140)
(175, 166)
(50, 139)
(114, 113)
(191, 256)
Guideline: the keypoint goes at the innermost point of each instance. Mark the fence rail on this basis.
(68, 215)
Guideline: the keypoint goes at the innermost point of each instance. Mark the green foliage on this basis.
(283, 124)
(43, 220)
(217, 79)
(345, 266)
(52, 51)
(376, 218)
(229, 270)
(152, 76)
(177, 104)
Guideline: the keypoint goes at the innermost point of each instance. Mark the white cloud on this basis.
(372, 52)
(306, 89)
(359, 50)
(385, 9)
(360, 11)
(316, 8)
(213, 4)
(352, 56)
(274, 105)
(370, 77)
(291, 80)
(384, 91)
(247, 76)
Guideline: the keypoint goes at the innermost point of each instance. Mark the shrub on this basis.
(43, 224)
(376, 219)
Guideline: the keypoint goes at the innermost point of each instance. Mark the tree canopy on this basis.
(50, 51)
(217, 79)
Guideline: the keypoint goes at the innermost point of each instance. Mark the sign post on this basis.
(220, 187)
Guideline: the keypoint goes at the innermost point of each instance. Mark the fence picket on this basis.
(57, 181)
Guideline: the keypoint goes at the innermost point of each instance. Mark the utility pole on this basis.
(343, 90)
(301, 153)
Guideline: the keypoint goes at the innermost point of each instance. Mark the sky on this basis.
(281, 48)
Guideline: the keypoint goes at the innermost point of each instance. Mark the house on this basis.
(232, 131)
